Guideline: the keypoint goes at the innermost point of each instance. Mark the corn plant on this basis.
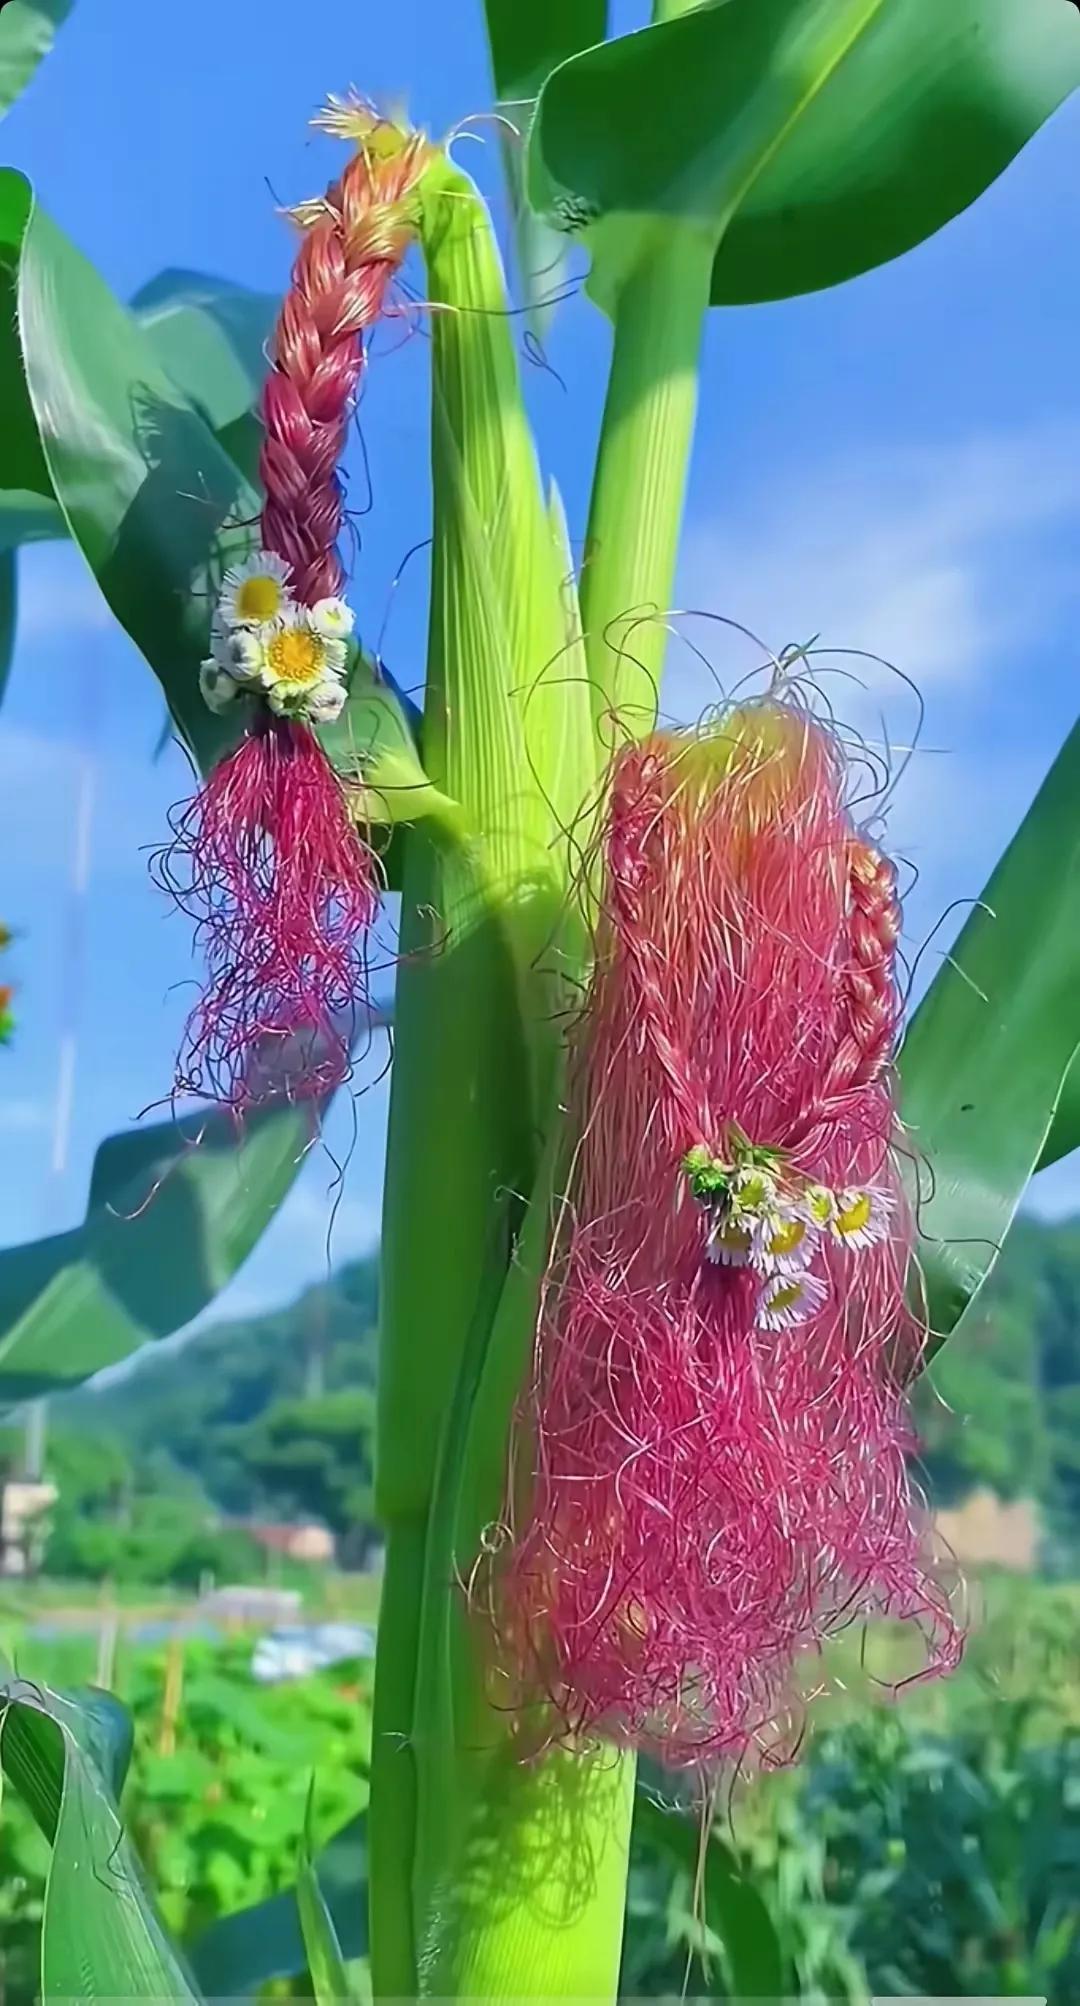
(667, 1232)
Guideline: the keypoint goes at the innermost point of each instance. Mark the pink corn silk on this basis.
(281, 883)
(343, 272)
(284, 891)
(695, 1503)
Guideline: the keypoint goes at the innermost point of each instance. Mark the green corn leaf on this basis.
(247, 1950)
(33, 1754)
(325, 1961)
(154, 503)
(730, 1907)
(27, 32)
(101, 1936)
(23, 469)
(372, 741)
(207, 335)
(174, 1209)
(983, 1066)
(210, 336)
(810, 140)
(527, 43)
(1064, 1134)
(126, 443)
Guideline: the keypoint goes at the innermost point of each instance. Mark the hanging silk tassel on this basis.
(709, 1474)
(267, 858)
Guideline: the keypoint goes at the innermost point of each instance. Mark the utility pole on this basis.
(73, 954)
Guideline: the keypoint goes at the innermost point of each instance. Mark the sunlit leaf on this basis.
(101, 1934)
(174, 1209)
(983, 1065)
(813, 139)
(527, 42)
(325, 1962)
(210, 335)
(149, 495)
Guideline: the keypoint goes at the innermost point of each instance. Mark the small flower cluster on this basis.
(7, 1020)
(264, 644)
(765, 1216)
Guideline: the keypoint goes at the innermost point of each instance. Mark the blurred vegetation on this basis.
(926, 1846)
(270, 1419)
(216, 1793)
(931, 1846)
(1007, 1399)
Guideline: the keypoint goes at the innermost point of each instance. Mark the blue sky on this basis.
(894, 466)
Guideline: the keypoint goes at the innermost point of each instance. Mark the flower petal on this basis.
(790, 1300)
(334, 618)
(217, 687)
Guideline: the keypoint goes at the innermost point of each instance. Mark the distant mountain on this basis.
(1000, 1407)
(207, 1403)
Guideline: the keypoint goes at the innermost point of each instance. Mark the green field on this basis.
(928, 1845)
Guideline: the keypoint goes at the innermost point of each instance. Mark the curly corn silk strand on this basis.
(283, 895)
(697, 1504)
(266, 859)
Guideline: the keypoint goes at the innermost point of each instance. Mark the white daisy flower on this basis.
(334, 618)
(218, 688)
(297, 658)
(729, 1244)
(784, 1241)
(789, 1300)
(861, 1218)
(255, 591)
(754, 1191)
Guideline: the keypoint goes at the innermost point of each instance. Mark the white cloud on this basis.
(939, 558)
(316, 1217)
(23, 1116)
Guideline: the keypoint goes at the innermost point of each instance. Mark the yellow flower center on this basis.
(259, 599)
(820, 1201)
(787, 1237)
(787, 1297)
(752, 1193)
(856, 1215)
(295, 656)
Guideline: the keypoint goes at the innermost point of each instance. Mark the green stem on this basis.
(475, 1036)
(638, 492)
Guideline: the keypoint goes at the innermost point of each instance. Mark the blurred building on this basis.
(22, 1524)
(985, 1531)
(312, 1543)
